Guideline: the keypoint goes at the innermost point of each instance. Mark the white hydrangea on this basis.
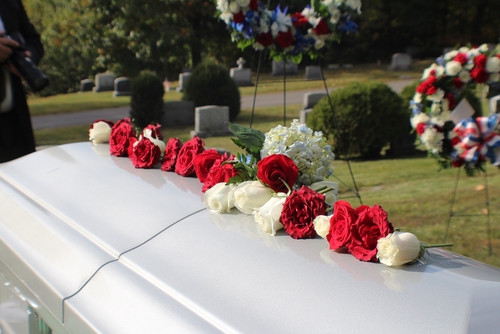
(310, 151)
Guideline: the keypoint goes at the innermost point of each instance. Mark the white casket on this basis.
(90, 244)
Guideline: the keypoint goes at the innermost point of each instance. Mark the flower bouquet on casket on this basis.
(446, 131)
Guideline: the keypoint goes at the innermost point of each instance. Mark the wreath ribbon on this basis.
(478, 138)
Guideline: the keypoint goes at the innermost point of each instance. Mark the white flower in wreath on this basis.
(464, 76)
(438, 69)
(319, 42)
(450, 55)
(419, 118)
(234, 7)
(453, 67)
(355, 5)
(243, 3)
(432, 140)
(223, 5)
(493, 65)
(437, 96)
(469, 66)
(441, 118)
(463, 49)
(417, 98)
(483, 48)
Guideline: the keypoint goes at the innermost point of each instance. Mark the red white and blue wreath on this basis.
(288, 35)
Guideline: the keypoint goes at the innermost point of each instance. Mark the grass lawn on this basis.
(415, 194)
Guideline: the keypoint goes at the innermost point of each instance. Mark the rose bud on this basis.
(398, 248)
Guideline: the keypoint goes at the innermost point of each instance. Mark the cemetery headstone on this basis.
(333, 67)
(178, 113)
(122, 86)
(211, 121)
(313, 72)
(347, 66)
(183, 80)
(241, 76)
(86, 85)
(400, 62)
(279, 68)
(310, 100)
(104, 82)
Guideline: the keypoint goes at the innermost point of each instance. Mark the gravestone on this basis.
(178, 113)
(347, 66)
(166, 85)
(86, 85)
(310, 100)
(241, 76)
(279, 68)
(183, 80)
(400, 62)
(211, 121)
(333, 67)
(122, 86)
(313, 72)
(104, 82)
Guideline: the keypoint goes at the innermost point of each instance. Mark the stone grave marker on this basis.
(400, 62)
(183, 80)
(333, 67)
(347, 66)
(211, 121)
(313, 72)
(104, 82)
(310, 100)
(178, 113)
(279, 68)
(86, 85)
(122, 86)
(242, 76)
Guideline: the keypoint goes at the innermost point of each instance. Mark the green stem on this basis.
(436, 245)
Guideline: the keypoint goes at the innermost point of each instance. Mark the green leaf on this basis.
(249, 139)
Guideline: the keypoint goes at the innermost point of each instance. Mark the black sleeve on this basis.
(31, 36)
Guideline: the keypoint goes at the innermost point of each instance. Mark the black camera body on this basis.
(35, 78)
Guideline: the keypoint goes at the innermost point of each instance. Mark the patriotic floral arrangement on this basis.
(288, 35)
(279, 180)
(468, 142)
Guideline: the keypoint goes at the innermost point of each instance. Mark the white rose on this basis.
(453, 67)
(330, 195)
(100, 132)
(268, 215)
(398, 248)
(322, 225)
(160, 143)
(219, 198)
(251, 195)
(493, 65)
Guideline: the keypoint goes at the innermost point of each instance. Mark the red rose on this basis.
(171, 153)
(480, 61)
(145, 154)
(155, 131)
(431, 90)
(239, 17)
(480, 75)
(344, 216)
(119, 138)
(203, 162)
(458, 83)
(284, 39)
(184, 165)
(321, 28)
(219, 172)
(299, 211)
(299, 20)
(130, 150)
(277, 169)
(452, 102)
(427, 85)
(371, 225)
(461, 58)
(254, 4)
(265, 39)
(421, 128)
(457, 163)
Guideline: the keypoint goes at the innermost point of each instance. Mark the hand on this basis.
(6, 45)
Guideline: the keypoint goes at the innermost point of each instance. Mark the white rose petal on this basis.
(219, 198)
(398, 248)
(100, 132)
(268, 215)
(322, 225)
(251, 195)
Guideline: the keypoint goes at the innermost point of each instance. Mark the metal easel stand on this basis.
(464, 212)
(354, 189)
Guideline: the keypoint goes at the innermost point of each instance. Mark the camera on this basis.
(35, 78)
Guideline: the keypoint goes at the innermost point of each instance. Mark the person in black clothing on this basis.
(16, 132)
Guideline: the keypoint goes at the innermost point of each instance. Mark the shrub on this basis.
(210, 84)
(146, 99)
(366, 117)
